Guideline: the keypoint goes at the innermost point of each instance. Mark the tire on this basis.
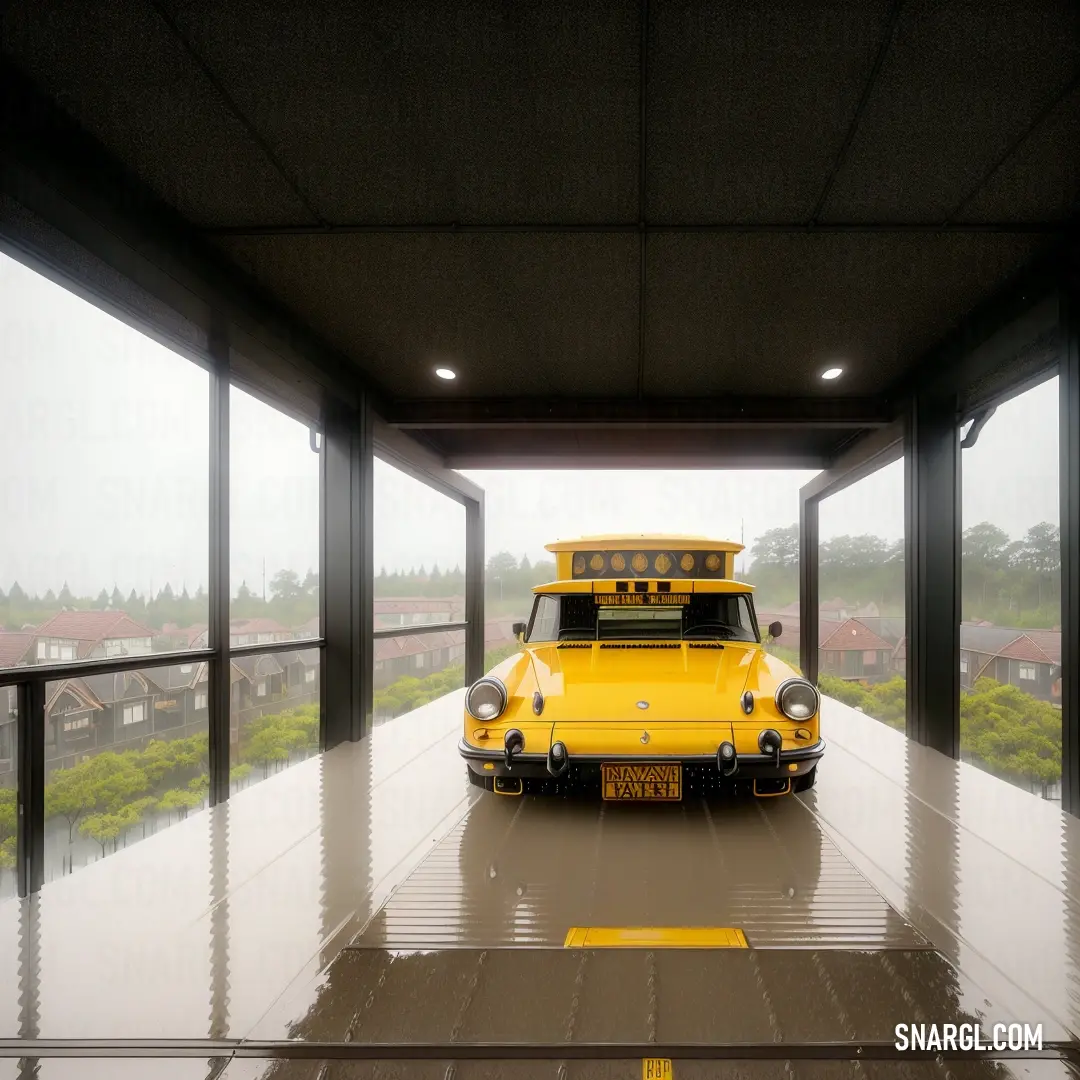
(805, 783)
(479, 780)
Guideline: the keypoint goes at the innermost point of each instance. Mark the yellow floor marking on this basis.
(659, 937)
(657, 1069)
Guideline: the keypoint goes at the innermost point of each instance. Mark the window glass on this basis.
(862, 631)
(104, 548)
(273, 525)
(274, 712)
(1010, 630)
(125, 756)
(414, 669)
(576, 617)
(419, 552)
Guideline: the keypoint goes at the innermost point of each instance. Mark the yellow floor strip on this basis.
(658, 937)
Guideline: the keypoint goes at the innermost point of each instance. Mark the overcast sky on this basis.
(103, 466)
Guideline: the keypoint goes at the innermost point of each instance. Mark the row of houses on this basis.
(870, 650)
(126, 710)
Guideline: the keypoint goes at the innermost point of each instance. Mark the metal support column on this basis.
(932, 571)
(808, 588)
(474, 589)
(219, 696)
(30, 800)
(1069, 440)
(346, 577)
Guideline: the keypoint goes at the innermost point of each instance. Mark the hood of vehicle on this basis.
(606, 681)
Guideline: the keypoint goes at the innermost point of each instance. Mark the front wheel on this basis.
(805, 783)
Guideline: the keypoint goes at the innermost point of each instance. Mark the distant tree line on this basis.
(291, 600)
(1006, 582)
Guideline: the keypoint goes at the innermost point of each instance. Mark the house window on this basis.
(309, 675)
(260, 689)
(1029, 672)
(200, 701)
(77, 723)
(419, 659)
(869, 658)
(135, 714)
(185, 669)
(963, 664)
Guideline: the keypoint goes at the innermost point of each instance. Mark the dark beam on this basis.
(864, 456)
(345, 574)
(30, 780)
(474, 590)
(930, 228)
(1069, 439)
(568, 457)
(808, 587)
(728, 412)
(932, 572)
(219, 680)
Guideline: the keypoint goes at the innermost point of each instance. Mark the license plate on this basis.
(644, 781)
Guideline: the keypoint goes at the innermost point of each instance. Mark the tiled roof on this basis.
(416, 605)
(13, 647)
(93, 626)
(256, 626)
(258, 666)
(1049, 641)
(850, 635)
(1024, 648)
(389, 648)
(78, 689)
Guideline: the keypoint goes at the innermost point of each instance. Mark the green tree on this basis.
(285, 585)
(68, 795)
(777, 547)
(181, 801)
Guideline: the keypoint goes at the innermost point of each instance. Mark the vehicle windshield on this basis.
(643, 616)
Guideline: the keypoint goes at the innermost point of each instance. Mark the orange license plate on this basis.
(642, 782)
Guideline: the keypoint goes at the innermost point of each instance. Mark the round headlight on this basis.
(797, 699)
(486, 698)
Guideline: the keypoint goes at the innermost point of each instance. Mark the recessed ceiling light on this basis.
(832, 373)
(446, 373)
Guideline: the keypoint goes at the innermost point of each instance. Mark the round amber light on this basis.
(662, 564)
(597, 562)
(618, 563)
(687, 562)
(579, 564)
(712, 562)
(639, 563)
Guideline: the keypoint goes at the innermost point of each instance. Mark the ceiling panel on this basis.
(765, 313)
(513, 314)
(961, 83)
(407, 111)
(118, 70)
(1041, 181)
(748, 105)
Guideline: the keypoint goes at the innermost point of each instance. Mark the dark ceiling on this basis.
(601, 199)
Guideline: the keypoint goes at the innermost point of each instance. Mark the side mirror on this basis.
(775, 629)
(518, 628)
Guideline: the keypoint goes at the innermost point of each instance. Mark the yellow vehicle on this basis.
(642, 674)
